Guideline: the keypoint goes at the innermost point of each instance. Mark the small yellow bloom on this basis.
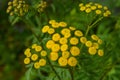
(28, 54)
(72, 61)
(36, 65)
(65, 54)
(105, 8)
(72, 28)
(100, 52)
(75, 51)
(33, 46)
(49, 44)
(88, 10)
(27, 51)
(62, 61)
(78, 33)
(51, 30)
(87, 5)
(45, 29)
(63, 40)
(94, 37)
(99, 6)
(26, 60)
(43, 53)
(55, 47)
(93, 7)
(108, 12)
(81, 4)
(52, 21)
(56, 37)
(92, 50)
(64, 47)
(42, 62)
(38, 48)
(82, 8)
(98, 11)
(55, 25)
(9, 3)
(53, 56)
(65, 31)
(99, 41)
(74, 41)
(105, 14)
(88, 43)
(67, 35)
(34, 57)
(95, 45)
(83, 40)
(62, 24)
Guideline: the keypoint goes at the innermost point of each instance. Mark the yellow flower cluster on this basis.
(97, 8)
(36, 55)
(17, 7)
(41, 6)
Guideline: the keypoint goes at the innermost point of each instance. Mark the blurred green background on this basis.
(14, 39)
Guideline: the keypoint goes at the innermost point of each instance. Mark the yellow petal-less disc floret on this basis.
(36, 65)
(64, 47)
(92, 50)
(63, 40)
(34, 57)
(100, 52)
(81, 4)
(99, 41)
(26, 60)
(94, 37)
(63, 24)
(74, 41)
(62, 61)
(27, 51)
(33, 46)
(43, 53)
(28, 54)
(45, 29)
(55, 47)
(83, 40)
(55, 25)
(72, 61)
(88, 43)
(51, 30)
(82, 8)
(72, 28)
(49, 44)
(88, 10)
(53, 56)
(56, 37)
(65, 31)
(42, 62)
(75, 51)
(96, 45)
(67, 35)
(65, 54)
(52, 21)
(78, 33)
(98, 11)
(93, 7)
(38, 48)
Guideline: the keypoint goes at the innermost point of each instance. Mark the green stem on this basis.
(71, 73)
(53, 69)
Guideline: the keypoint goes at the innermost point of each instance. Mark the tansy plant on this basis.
(60, 45)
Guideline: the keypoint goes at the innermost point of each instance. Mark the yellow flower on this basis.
(56, 37)
(108, 12)
(27, 51)
(26, 60)
(55, 25)
(65, 31)
(94, 37)
(99, 41)
(45, 29)
(43, 53)
(93, 7)
(33, 46)
(63, 40)
(82, 8)
(92, 50)
(53, 56)
(88, 10)
(34, 57)
(105, 7)
(72, 61)
(38, 48)
(99, 6)
(78, 33)
(62, 24)
(65, 54)
(51, 30)
(96, 45)
(67, 35)
(87, 5)
(105, 14)
(100, 52)
(74, 41)
(36, 65)
(62, 61)
(55, 47)
(75, 51)
(42, 62)
(28, 54)
(52, 21)
(49, 44)
(81, 4)
(98, 11)
(83, 40)
(88, 43)
(72, 28)
(64, 47)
